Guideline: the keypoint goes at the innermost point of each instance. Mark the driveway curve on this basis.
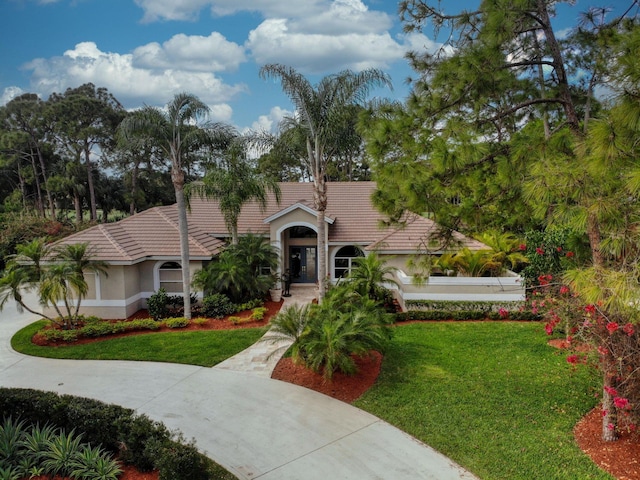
(256, 427)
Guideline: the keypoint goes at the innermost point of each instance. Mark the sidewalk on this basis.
(255, 427)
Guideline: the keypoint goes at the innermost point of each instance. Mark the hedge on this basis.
(138, 440)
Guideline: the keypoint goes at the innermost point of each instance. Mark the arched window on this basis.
(342, 262)
(170, 277)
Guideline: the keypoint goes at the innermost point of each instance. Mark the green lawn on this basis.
(491, 395)
(205, 348)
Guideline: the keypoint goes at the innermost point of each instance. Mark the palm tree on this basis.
(235, 183)
(79, 257)
(172, 130)
(320, 111)
(369, 276)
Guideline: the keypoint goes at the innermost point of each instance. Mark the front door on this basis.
(303, 264)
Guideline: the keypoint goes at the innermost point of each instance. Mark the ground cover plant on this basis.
(493, 396)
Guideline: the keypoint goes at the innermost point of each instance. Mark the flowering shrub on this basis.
(615, 350)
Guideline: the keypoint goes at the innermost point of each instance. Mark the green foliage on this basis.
(178, 322)
(217, 305)
(55, 335)
(548, 253)
(138, 440)
(466, 305)
(250, 305)
(326, 336)
(179, 460)
(157, 304)
(236, 272)
(258, 313)
(369, 276)
(463, 315)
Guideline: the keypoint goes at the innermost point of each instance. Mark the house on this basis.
(143, 251)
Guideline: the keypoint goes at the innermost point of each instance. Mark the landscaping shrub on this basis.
(178, 322)
(249, 305)
(158, 305)
(258, 314)
(28, 450)
(217, 305)
(461, 315)
(141, 442)
(54, 335)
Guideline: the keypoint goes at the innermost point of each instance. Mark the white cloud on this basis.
(9, 93)
(273, 42)
(341, 17)
(130, 84)
(155, 10)
(191, 52)
(270, 122)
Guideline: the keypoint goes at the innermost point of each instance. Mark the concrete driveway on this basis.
(256, 427)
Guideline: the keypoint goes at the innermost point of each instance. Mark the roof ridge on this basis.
(103, 228)
(190, 237)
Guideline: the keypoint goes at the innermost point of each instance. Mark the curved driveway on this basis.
(256, 427)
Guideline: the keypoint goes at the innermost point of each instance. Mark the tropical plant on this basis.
(216, 305)
(237, 271)
(61, 452)
(326, 337)
(173, 132)
(506, 250)
(319, 114)
(233, 183)
(93, 463)
(475, 263)
(11, 432)
(287, 329)
(369, 276)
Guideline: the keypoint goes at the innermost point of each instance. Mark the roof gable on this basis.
(293, 208)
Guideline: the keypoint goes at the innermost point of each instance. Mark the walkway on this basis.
(261, 357)
(255, 427)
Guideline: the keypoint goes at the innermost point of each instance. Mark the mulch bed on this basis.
(211, 324)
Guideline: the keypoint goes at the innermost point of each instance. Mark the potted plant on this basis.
(276, 289)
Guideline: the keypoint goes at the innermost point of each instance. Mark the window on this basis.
(342, 263)
(301, 232)
(170, 277)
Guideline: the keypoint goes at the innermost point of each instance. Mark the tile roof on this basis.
(154, 232)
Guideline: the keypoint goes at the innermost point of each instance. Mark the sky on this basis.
(146, 51)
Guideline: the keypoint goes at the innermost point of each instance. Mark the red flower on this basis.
(590, 309)
(539, 251)
(611, 391)
(570, 254)
(628, 329)
(559, 249)
(612, 327)
(564, 290)
(572, 359)
(504, 313)
(621, 402)
(602, 350)
(522, 247)
(548, 328)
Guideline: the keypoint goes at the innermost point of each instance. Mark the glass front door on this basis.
(303, 264)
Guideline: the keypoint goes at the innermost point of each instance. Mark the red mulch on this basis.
(343, 387)
(128, 473)
(211, 324)
(620, 458)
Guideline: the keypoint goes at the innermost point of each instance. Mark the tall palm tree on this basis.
(173, 132)
(320, 111)
(235, 183)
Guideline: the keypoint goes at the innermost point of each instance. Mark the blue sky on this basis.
(145, 51)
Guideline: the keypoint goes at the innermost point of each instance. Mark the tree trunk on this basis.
(320, 200)
(92, 191)
(43, 169)
(178, 183)
(609, 416)
(564, 91)
(134, 188)
(77, 202)
(593, 232)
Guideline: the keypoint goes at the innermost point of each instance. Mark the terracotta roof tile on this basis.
(154, 232)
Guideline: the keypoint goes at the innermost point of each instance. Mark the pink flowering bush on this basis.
(615, 349)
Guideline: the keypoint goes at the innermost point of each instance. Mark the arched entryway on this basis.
(302, 254)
